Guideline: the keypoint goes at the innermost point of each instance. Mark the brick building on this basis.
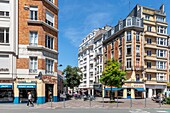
(35, 49)
(139, 42)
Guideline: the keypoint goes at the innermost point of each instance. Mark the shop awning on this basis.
(140, 89)
(113, 89)
(26, 85)
(6, 85)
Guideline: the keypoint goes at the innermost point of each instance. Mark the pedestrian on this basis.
(30, 100)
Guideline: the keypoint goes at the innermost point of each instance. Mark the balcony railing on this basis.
(49, 72)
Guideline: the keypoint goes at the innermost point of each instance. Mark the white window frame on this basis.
(161, 53)
(5, 33)
(138, 22)
(128, 63)
(162, 40)
(129, 36)
(161, 77)
(33, 38)
(137, 36)
(49, 18)
(49, 42)
(147, 17)
(161, 65)
(162, 29)
(49, 66)
(129, 21)
(137, 48)
(128, 46)
(149, 77)
(160, 19)
(33, 65)
(34, 12)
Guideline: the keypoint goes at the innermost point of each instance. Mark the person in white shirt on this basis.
(30, 99)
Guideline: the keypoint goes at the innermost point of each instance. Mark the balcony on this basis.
(137, 68)
(51, 4)
(41, 22)
(33, 71)
(153, 46)
(49, 72)
(150, 70)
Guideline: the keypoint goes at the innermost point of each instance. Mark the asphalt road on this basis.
(34, 110)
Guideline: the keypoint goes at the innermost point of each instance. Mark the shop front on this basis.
(24, 88)
(152, 89)
(6, 93)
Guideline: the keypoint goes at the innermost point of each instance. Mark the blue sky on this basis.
(77, 18)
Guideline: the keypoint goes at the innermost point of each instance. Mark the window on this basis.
(137, 77)
(161, 77)
(49, 42)
(4, 13)
(49, 18)
(149, 40)
(149, 52)
(161, 53)
(128, 36)
(137, 48)
(49, 66)
(148, 76)
(149, 28)
(147, 17)
(137, 62)
(148, 64)
(33, 38)
(138, 22)
(137, 36)
(33, 65)
(160, 19)
(112, 44)
(120, 41)
(128, 63)
(162, 29)
(129, 22)
(112, 54)
(4, 35)
(51, 1)
(33, 12)
(161, 65)
(120, 51)
(128, 49)
(120, 25)
(162, 41)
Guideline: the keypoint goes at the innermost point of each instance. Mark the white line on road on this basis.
(162, 111)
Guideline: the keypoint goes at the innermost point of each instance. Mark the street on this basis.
(83, 110)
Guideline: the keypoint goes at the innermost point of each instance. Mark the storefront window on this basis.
(6, 95)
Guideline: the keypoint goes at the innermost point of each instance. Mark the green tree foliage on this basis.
(113, 75)
(73, 76)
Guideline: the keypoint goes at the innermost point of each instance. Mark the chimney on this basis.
(162, 8)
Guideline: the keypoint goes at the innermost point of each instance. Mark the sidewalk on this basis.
(98, 103)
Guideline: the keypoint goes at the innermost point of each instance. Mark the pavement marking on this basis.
(162, 111)
(138, 111)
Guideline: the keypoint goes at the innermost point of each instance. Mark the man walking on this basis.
(30, 100)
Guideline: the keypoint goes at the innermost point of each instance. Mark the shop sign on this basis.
(26, 86)
(4, 69)
(5, 86)
(6, 81)
(134, 85)
(49, 79)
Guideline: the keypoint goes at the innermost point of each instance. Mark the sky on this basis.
(77, 18)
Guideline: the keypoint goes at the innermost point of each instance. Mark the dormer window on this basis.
(129, 21)
(120, 25)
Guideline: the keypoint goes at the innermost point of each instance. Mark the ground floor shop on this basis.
(6, 93)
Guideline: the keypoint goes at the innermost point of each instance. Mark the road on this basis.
(83, 110)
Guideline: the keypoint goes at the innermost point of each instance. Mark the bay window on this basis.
(162, 29)
(161, 65)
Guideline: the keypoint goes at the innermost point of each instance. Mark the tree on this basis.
(73, 76)
(112, 75)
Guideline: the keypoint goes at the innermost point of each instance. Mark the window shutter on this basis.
(4, 6)
(49, 17)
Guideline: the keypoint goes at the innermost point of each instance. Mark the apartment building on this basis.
(139, 42)
(90, 59)
(38, 51)
(8, 48)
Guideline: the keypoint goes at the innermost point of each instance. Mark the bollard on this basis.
(159, 103)
(117, 101)
(103, 101)
(64, 102)
(145, 101)
(51, 103)
(90, 101)
(130, 102)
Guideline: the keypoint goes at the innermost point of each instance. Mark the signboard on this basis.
(5, 86)
(26, 85)
(49, 79)
(132, 85)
